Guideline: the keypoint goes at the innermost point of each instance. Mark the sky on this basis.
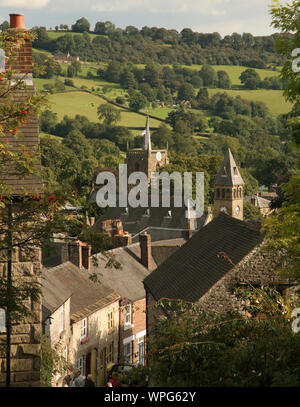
(223, 16)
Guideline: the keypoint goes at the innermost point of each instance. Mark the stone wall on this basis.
(26, 335)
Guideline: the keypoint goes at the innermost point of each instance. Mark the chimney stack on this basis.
(23, 59)
(145, 244)
(77, 253)
(17, 21)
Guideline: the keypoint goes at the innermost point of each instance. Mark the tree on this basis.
(224, 81)
(137, 101)
(108, 114)
(209, 76)
(48, 121)
(81, 25)
(251, 212)
(283, 230)
(250, 79)
(4, 26)
(71, 71)
(186, 92)
(191, 347)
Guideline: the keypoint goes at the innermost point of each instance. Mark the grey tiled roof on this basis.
(87, 296)
(260, 202)
(193, 269)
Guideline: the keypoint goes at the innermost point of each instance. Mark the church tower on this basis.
(145, 159)
(229, 189)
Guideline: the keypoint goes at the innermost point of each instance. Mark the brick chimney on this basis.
(17, 21)
(123, 239)
(23, 60)
(145, 244)
(77, 253)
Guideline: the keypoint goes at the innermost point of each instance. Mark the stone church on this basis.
(145, 159)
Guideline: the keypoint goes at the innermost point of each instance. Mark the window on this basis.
(141, 350)
(110, 352)
(110, 320)
(128, 316)
(128, 348)
(81, 364)
(83, 328)
(62, 318)
(2, 320)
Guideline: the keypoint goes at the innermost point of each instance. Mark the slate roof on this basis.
(193, 269)
(229, 173)
(260, 202)
(128, 279)
(53, 294)
(86, 296)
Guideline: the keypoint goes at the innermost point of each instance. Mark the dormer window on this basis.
(224, 172)
(235, 171)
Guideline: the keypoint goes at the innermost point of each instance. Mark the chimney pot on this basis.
(17, 21)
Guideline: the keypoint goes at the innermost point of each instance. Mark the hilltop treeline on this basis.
(161, 45)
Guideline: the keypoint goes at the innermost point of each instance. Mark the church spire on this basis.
(147, 136)
(229, 174)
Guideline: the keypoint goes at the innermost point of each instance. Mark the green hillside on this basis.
(83, 103)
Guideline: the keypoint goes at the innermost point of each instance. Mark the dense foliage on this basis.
(160, 45)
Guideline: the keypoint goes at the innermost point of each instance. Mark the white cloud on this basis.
(29, 4)
(203, 7)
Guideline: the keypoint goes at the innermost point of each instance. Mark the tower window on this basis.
(137, 166)
(223, 193)
(235, 171)
(218, 193)
(234, 193)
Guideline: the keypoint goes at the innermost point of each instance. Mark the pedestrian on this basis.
(89, 381)
(67, 382)
(114, 380)
(79, 380)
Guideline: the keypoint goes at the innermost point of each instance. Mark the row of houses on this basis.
(94, 312)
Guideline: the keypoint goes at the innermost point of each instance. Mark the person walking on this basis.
(79, 380)
(89, 381)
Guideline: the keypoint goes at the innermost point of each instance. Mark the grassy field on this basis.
(273, 99)
(234, 72)
(87, 104)
(56, 34)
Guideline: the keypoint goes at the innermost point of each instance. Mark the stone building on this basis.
(25, 335)
(89, 339)
(56, 305)
(229, 189)
(260, 203)
(221, 257)
(145, 159)
(127, 268)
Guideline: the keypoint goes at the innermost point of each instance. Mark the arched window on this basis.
(234, 193)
